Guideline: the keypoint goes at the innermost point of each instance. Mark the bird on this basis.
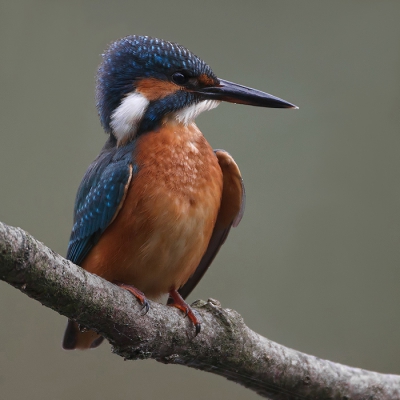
(156, 205)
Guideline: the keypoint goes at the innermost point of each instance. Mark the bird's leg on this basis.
(176, 300)
(137, 293)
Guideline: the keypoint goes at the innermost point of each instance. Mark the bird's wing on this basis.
(99, 199)
(230, 214)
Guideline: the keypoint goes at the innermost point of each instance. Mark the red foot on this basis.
(137, 293)
(176, 300)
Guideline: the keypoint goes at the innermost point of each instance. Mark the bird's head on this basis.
(143, 82)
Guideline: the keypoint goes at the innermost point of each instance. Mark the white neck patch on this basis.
(188, 114)
(126, 117)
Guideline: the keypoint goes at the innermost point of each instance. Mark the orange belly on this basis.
(164, 226)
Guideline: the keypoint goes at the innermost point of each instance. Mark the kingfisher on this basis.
(156, 205)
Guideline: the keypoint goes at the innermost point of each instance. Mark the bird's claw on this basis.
(146, 306)
(177, 301)
(138, 294)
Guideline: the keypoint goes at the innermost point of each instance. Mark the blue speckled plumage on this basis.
(98, 198)
(140, 57)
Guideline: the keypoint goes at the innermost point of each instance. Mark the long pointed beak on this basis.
(234, 93)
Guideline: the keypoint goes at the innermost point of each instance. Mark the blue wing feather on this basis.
(98, 199)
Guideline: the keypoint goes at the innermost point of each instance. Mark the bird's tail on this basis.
(74, 338)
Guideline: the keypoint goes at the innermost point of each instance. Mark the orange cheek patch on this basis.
(206, 80)
(154, 89)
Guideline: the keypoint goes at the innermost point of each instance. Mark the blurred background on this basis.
(314, 265)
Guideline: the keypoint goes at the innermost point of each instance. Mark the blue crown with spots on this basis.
(135, 57)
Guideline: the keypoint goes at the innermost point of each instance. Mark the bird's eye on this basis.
(179, 78)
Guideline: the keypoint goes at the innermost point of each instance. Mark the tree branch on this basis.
(225, 346)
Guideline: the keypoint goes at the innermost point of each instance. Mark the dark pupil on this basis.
(179, 78)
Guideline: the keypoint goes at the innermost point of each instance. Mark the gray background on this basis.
(314, 264)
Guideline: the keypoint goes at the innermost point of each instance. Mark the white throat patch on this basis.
(188, 114)
(126, 117)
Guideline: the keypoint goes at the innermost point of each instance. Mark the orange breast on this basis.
(164, 226)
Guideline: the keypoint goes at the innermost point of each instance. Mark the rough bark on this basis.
(225, 346)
